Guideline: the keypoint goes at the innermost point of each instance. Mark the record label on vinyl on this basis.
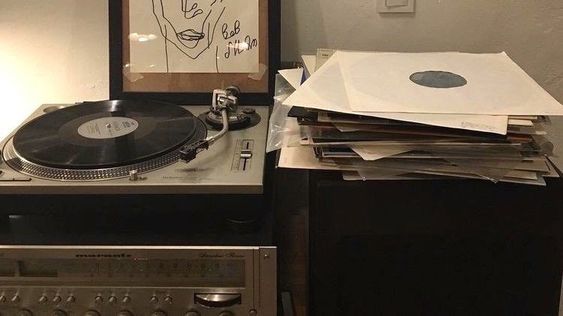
(108, 127)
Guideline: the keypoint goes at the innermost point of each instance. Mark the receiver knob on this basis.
(16, 299)
(112, 299)
(25, 312)
(91, 313)
(226, 313)
(193, 313)
(43, 299)
(168, 299)
(158, 313)
(3, 299)
(59, 312)
(126, 299)
(125, 313)
(98, 300)
(154, 299)
(57, 299)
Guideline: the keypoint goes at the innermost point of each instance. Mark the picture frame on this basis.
(186, 88)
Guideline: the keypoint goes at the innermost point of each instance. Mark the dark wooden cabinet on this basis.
(433, 247)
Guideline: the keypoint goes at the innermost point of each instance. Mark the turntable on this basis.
(152, 203)
(135, 147)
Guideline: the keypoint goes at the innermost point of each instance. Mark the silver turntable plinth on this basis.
(233, 165)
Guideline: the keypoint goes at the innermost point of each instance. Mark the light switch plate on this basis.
(396, 6)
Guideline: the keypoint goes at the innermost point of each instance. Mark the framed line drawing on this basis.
(180, 50)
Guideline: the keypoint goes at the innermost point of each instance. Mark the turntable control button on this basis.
(248, 111)
(133, 175)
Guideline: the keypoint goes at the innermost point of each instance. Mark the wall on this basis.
(56, 51)
(531, 32)
(50, 52)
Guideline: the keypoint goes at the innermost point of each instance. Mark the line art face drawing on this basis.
(206, 35)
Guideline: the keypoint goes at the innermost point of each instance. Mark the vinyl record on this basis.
(107, 134)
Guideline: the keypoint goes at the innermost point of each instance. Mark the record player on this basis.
(154, 202)
(133, 147)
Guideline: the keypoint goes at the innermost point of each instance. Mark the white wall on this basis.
(531, 31)
(56, 50)
(51, 51)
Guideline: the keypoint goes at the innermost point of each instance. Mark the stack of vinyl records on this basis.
(383, 116)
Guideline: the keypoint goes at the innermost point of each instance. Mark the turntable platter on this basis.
(106, 134)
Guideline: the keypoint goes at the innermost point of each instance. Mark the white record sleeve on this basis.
(442, 83)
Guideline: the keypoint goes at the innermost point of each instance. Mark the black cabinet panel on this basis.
(434, 248)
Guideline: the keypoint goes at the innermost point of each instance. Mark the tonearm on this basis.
(224, 101)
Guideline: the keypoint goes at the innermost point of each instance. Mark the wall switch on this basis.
(395, 6)
(396, 3)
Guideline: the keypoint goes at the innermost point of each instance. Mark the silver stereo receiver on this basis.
(131, 281)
